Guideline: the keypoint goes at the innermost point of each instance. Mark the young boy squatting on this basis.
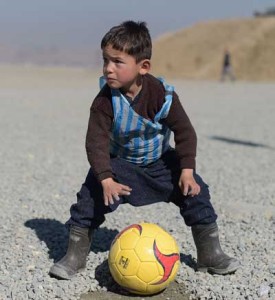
(131, 160)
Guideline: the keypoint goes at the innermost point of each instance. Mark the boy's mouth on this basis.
(111, 81)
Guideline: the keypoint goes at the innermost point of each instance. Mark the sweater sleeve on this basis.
(184, 134)
(98, 137)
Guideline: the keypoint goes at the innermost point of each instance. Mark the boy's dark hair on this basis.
(130, 37)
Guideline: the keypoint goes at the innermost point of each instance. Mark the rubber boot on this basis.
(75, 259)
(210, 257)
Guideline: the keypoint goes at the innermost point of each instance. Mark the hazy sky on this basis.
(83, 22)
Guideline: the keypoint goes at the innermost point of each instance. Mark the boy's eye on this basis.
(117, 61)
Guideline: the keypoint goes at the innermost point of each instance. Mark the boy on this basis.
(131, 161)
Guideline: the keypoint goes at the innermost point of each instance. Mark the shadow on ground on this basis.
(239, 142)
(55, 235)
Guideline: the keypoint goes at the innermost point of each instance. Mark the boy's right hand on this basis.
(112, 190)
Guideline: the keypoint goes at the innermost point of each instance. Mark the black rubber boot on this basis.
(210, 257)
(75, 259)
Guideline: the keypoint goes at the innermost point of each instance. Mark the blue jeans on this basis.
(157, 182)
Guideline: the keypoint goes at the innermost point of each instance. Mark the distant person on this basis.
(227, 70)
(131, 160)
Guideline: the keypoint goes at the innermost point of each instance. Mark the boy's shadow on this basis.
(105, 279)
(188, 260)
(55, 235)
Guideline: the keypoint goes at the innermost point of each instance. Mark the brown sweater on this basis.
(147, 104)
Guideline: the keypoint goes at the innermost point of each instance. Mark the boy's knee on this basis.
(199, 180)
(204, 187)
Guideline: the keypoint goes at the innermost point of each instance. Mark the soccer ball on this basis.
(144, 258)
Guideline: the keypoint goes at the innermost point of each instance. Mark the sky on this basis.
(82, 23)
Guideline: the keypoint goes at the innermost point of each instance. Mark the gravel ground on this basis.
(43, 163)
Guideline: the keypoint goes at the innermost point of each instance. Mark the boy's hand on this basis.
(187, 183)
(112, 190)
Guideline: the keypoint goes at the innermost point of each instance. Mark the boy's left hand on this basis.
(188, 184)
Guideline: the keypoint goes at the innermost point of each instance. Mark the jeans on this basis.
(157, 182)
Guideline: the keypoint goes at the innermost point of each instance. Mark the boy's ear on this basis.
(145, 66)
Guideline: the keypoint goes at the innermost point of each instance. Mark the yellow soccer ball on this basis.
(144, 258)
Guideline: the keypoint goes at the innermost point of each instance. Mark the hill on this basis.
(197, 52)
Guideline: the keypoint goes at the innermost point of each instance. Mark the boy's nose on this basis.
(109, 67)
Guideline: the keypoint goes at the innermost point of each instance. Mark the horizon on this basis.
(29, 28)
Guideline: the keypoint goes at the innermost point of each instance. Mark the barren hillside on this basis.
(197, 52)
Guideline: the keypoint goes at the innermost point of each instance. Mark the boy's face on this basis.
(121, 70)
